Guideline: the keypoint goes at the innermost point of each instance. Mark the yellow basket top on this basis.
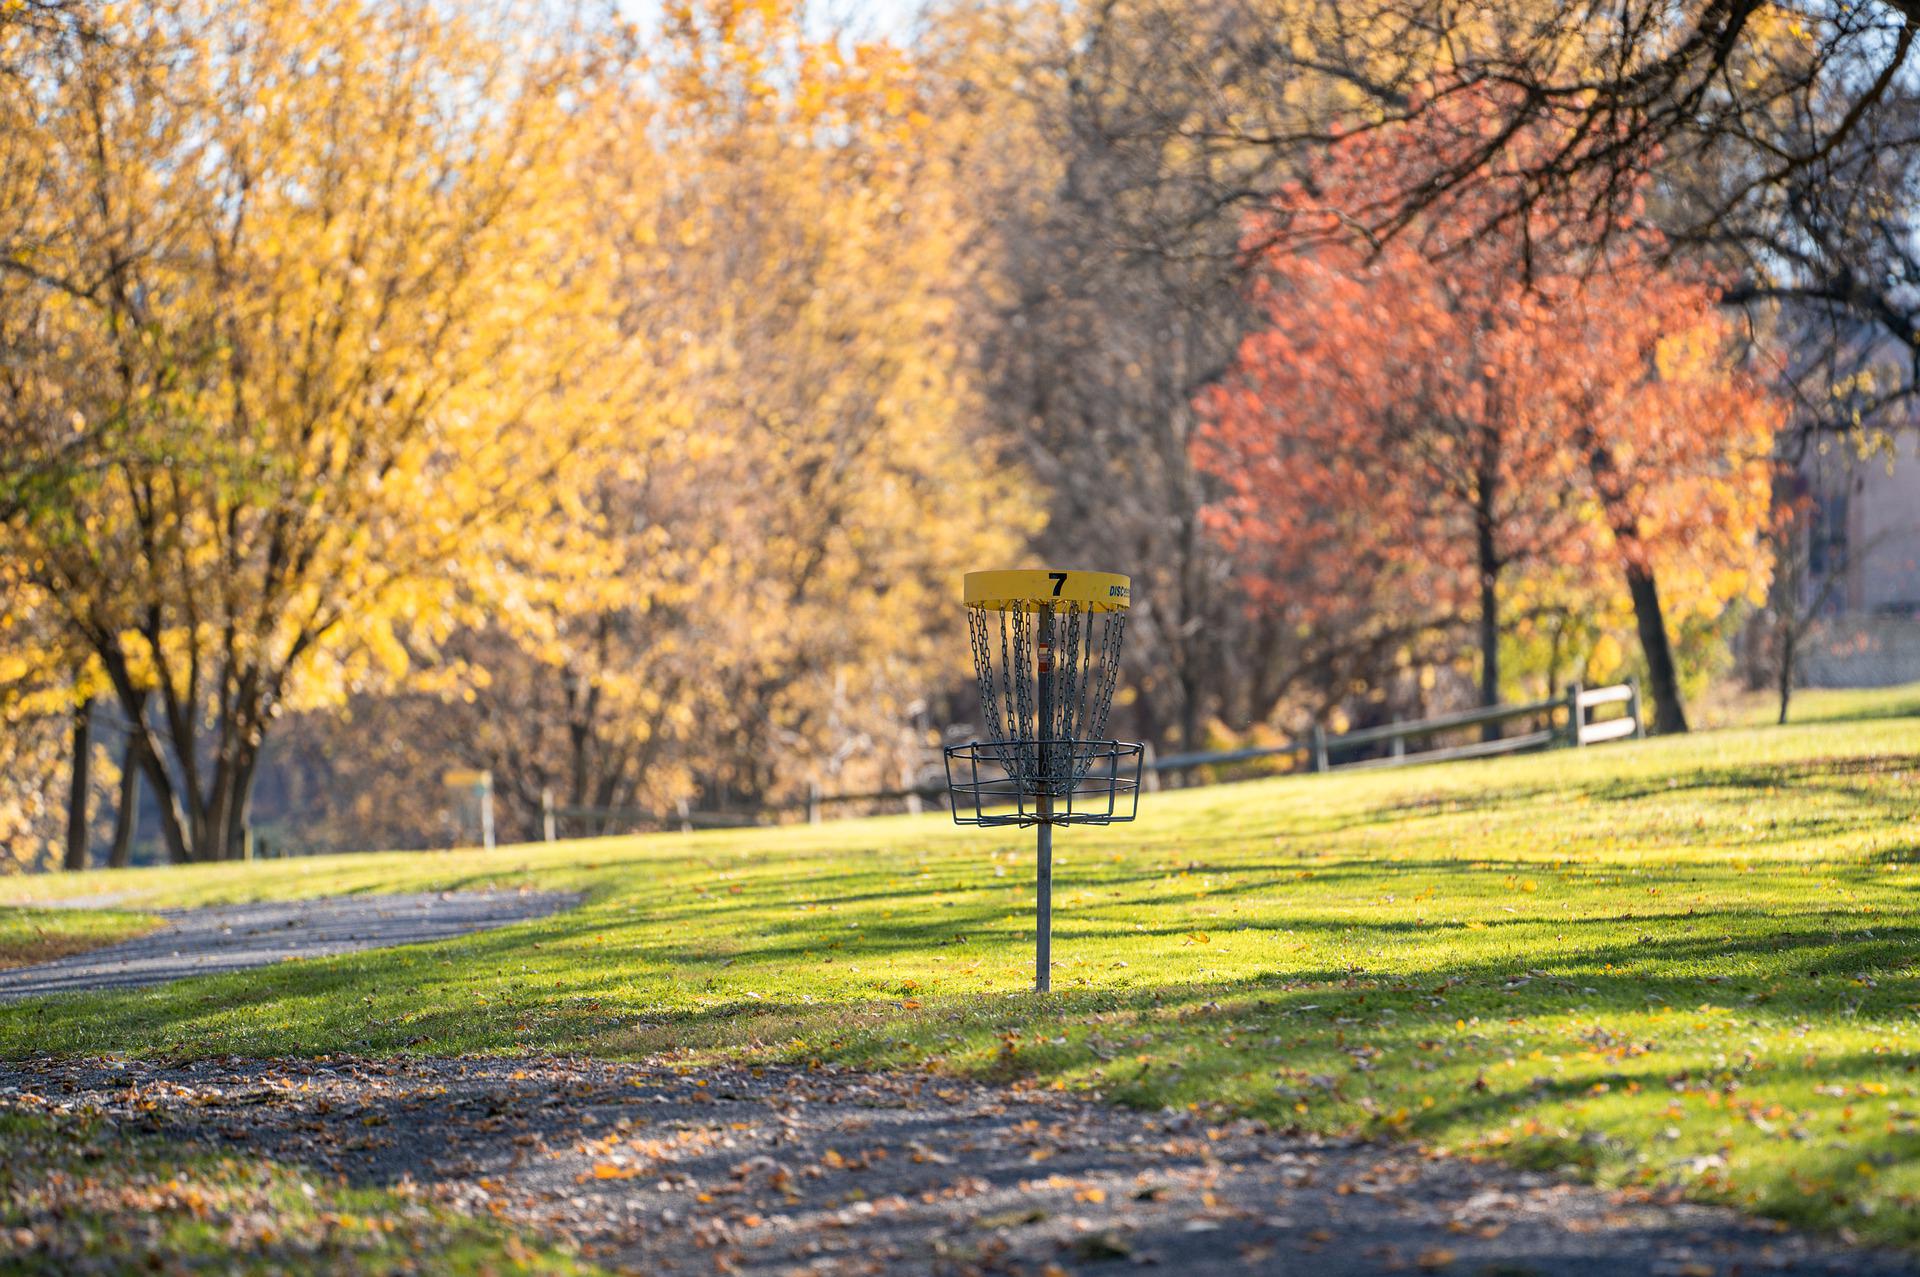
(1030, 589)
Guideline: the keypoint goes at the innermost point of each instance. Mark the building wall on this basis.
(1862, 651)
(1884, 530)
(1866, 527)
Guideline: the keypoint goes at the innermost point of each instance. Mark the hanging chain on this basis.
(1084, 691)
(1109, 673)
(1018, 678)
(1070, 673)
(983, 672)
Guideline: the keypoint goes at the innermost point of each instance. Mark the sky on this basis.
(890, 18)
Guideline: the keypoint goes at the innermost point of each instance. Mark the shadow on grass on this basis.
(544, 974)
(1664, 1003)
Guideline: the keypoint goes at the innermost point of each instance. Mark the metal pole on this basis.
(1043, 801)
(1043, 905)
(548, 823)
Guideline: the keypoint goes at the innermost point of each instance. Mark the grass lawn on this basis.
(41, 935)
(1825, 705)
(1685, 961)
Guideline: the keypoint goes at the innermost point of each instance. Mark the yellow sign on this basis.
(465, 778)
(1030, 589)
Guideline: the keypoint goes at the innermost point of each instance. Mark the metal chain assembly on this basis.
(1086, 663)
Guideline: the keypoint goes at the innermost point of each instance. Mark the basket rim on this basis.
(1034, 589)
(1108, 796)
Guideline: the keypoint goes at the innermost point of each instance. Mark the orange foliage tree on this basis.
(1419, 426)
(1674, 440)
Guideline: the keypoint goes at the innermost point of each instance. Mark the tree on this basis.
(33, 760)
(1833, 419)
(1112, 151)
(752, 587)
(1377, 439)
(304, 331)
(1783, 138)
(861, 476)
(1108, 297)
(54, 772)
(1419, 418)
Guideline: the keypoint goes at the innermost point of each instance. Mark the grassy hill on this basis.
(1685, 961)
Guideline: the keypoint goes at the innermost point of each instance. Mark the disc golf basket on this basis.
(1046, 652)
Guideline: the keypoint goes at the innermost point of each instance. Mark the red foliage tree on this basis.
(1417, 422)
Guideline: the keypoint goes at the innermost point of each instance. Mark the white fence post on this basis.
(486, 810)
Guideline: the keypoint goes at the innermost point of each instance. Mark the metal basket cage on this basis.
(1043, 782)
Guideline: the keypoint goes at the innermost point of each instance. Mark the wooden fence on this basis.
(1563, 721)
(1566, 720)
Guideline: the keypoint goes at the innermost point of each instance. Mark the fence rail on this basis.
(1566, 720)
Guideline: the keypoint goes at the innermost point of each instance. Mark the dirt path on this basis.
(818, 1172)
(233, 937)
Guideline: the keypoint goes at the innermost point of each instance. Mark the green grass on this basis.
(41, 935)
(1828, 705)
(77, 1196)
(1686, 961)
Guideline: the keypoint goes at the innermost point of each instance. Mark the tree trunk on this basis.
(1489, 564)
(221, 825)
(133, 700)
(240, 817)
(173, 821)
(76, 858)
(1789, 653)
(1553, 659)
(1489, 641)
(1189, 708)
(1663, 679)
(126, 817)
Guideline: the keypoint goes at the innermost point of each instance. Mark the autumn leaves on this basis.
(485, 387)
(613, 410)
(1491, 418)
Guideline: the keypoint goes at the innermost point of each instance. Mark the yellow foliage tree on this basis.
(307, 330)
(751, 584)
(780, 520)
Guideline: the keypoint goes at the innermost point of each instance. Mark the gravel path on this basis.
(233, 937)
(780, 1171)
